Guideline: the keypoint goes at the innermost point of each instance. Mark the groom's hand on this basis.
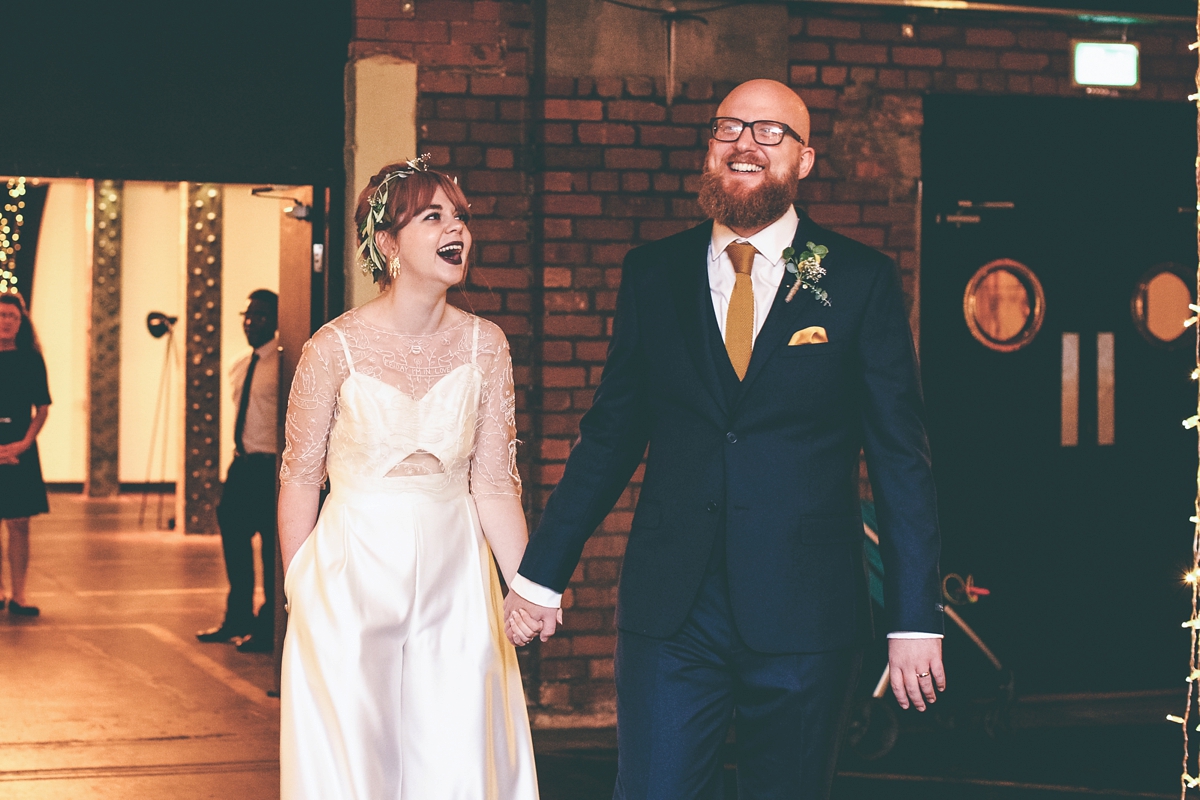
(916, 668)
(549, 618)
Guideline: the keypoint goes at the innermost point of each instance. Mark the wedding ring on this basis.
(922, 674)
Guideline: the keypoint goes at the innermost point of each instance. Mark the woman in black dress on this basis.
(22, 390)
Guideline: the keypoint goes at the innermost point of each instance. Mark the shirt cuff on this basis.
(901, 634)
(535, 592)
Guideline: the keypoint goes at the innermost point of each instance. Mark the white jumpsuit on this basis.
(398, 681)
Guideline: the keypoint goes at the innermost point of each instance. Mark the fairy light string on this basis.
(12, 217)
(1188, 779)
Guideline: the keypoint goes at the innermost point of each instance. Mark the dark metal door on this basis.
(1065, 477)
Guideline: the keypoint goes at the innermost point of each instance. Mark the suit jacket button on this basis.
(732, 437)
(711, 507)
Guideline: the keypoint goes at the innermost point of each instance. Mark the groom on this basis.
(743, 595)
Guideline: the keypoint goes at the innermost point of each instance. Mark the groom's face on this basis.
(745, 167)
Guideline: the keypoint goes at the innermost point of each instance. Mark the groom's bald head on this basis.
(767, 99)
(747, 185)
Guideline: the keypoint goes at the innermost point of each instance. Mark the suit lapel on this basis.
(693, 305)
(783, 318)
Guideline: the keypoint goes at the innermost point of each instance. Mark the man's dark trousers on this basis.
(248, 507)
(676, 698)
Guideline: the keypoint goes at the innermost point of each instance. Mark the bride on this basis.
(398, 680)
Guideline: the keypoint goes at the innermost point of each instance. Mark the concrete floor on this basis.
(108, 695)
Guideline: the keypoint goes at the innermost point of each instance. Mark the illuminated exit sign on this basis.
(1110, 64)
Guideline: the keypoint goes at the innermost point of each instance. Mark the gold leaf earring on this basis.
(394, 267)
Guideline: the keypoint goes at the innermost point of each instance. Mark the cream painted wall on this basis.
(250, 260)
(381, 128)
(60, 312)
(151, 280)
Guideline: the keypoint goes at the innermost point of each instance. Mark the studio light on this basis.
(159, 324)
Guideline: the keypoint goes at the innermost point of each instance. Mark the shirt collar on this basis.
(771, 241)
(268, 348)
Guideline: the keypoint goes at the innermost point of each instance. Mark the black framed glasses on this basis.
(766, 132)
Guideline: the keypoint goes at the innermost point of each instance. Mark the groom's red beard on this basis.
(755, 208)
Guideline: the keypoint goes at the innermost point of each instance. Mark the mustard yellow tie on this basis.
(739, 319)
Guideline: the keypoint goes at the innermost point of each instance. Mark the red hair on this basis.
(407, 197)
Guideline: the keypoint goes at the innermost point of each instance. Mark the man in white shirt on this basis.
(248, 496)
(757, 355)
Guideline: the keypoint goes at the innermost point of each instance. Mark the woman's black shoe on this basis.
(19, 610)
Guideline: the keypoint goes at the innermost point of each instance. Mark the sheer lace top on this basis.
(410, 367)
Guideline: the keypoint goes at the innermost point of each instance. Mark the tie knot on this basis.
(742, 256)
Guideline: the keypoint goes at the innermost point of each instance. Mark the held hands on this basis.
(525, 620)
(521, 628)
(916, 669)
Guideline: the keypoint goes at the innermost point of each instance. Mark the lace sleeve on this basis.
(312, 407)
(494, 462)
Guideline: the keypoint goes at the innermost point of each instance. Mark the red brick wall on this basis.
(566, 174)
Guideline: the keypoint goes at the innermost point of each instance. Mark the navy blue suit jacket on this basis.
(774, 467)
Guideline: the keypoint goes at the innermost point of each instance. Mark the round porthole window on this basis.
(1160, 305)
(1004, 305)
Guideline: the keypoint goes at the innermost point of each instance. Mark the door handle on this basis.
(1070, 390)
(1106, 385)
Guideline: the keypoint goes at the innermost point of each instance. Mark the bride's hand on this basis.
(521, 628)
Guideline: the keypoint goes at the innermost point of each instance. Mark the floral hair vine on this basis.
(370, 259)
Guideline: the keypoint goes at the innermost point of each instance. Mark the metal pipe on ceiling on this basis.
(1116, 17)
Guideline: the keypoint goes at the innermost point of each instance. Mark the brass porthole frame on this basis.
(1137, 302)
(1037, 311)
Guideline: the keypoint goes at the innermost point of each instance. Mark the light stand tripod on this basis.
(160, 324)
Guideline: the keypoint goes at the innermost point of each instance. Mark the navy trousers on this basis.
(248, 507)
(676, 699)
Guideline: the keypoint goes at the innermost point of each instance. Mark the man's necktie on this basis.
(739, 320)
(239, 427)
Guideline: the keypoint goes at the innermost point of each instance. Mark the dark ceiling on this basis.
(223, 90)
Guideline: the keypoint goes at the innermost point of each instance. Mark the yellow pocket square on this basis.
(814, 335)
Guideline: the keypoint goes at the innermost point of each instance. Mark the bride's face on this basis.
(433, 246)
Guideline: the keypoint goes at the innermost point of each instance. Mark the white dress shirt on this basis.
(765, 276)
(262, 420)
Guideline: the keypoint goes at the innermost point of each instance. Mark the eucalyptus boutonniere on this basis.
(808, 271)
